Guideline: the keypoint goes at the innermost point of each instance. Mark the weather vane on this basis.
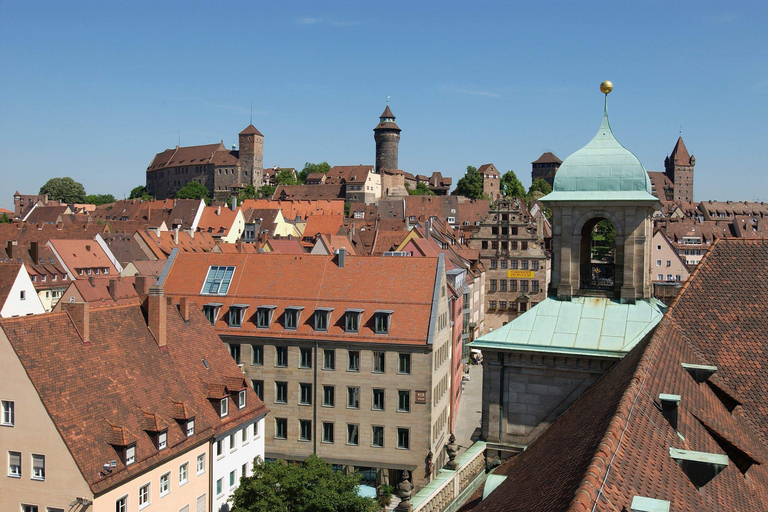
(387, 100)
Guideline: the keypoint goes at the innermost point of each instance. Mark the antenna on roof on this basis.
(179, 138)
(387, 100)
(251, 112)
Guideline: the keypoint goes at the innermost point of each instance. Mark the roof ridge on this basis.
(598, 470)
(695, 272)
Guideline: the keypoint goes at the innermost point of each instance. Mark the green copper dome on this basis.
(603, 170)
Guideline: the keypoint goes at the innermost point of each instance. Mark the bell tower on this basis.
(602, 206)
(251, 156)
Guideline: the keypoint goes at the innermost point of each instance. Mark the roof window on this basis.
(224, 407)
(322, 318)
(291, 317)
(699, 372)
(669, 408)
(217, 281)
(130, 454)
(264, 316)
(381, 321)
(211, 311)
(352, 320)
(699, 467)
(241, 399)
(236, 314)
(643, 504)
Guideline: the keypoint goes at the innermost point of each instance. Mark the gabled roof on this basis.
(487, 169)
(336, 242)
(162, 243)
(323, 224)
(308, 192)
(92, 409)
(8, 274)
(82, 254)
(217, 220)
(285, 246)
(96, 291)
(185, 156)
(250, 130)
(547, 158)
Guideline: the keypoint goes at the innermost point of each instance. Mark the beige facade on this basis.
(666, 265)
(31, 432)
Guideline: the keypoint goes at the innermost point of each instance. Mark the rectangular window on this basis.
(535, 265)
(378, 436)
(534, 287)
(217, 281)
(491, 304)
(404, 365)
(658, 263)
(484, 244)
(305, 397)
(282, 356)
(523, 246)
(523, 286)
(378, 399)
(241, 399)
(162, 440)
(378, 362)
(281, 392)
(232, 442)
(130, 454)
(403, 438)
(502, 285)
(224, 407)
(524, 264)
(305, 360)
(494, 264)
(352, 321)
(492, 285)
(232, 478)
(513, 285)
(353, 434)
(305, 430)
(9, 413)
(513, 244)
(211, 311)
(14, 464)
(353, 397)
(22, 295)
(144, 495)
(201, 464)
(121, 505)
(329, 396)
(183, 473)
(236, 315)
(381, 322)
(503, 264)
(354, 361)
(281, 428)
(219, 448)
(165, 484)
(404, 401)
(258, 388)
(234, 351)
(256, 430)
(502, 304)
(321, 319)
(329, 359)
(327, 432)
(264, 316)
(513, 263)
(291, 319)
(219, 487)
(257, 355)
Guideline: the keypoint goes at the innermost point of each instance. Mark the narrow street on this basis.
(467, 428)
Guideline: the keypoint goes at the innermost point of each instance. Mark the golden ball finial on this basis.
(606, 87)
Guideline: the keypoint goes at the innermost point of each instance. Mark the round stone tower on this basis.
(387, 137)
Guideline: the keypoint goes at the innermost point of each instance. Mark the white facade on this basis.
(22, 299)
(232, 456)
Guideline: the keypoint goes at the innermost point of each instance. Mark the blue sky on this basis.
(93, 90)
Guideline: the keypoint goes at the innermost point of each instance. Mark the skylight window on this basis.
(381, 321)
(218, 280)
(322, 317)
(352, 320)
(264, 316)
(291, 317)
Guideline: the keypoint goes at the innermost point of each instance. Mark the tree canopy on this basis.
(5, 219)
(98, 199)
(310, 168)
(193, 190)
(266, 191)
(540, 185)
(285, 177)
(64, 189)
(511, 186)
(309, 486)
(470, 185)
(140, 192)
(421, 190)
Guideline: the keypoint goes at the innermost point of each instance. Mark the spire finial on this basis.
(251, 112)
(606, 87)
(387, 100)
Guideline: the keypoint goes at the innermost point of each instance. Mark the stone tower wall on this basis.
(387, 142)
(682, 177)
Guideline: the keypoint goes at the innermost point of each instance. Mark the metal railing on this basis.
(598, 276)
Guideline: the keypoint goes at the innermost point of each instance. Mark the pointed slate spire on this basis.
(680, 155)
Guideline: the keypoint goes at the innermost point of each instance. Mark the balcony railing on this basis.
(598, 276)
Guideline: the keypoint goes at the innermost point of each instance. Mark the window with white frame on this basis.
(219, 487)
(241, 399)
(121, 504)
(9, 413)
(217, 281)
(190, 427)
(232, 478)
(38, 467)
(143, 496)
(130, 454)
(162, 440)
(14, 464)
(165, 484)
(201, 464)
(224, 407)
(184, 473)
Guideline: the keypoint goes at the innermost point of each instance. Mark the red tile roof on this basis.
(286, 246)
(217, 220)
(309, 192)
(547, 158)
(301, 209)
(161, 244)
(83, 254)
(680, 154)
(97, 395)
(402, 285)
(323, 224)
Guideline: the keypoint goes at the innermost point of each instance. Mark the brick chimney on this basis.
(112, 288)
(79, 315)
(141, 284)
(342, 256)
(34, 252)
(156, 314)
(184, 308)
(9, 248)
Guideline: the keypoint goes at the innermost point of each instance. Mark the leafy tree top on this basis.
(285, 177)
(470, 185)
(511, 186)
(421, 190)
(140, 192)
(99, 199)
(309, 486)
(64, 189)
(540, 185)
(192, 190)
(310, 168)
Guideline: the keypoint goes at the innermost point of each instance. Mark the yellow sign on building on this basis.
(520, 274)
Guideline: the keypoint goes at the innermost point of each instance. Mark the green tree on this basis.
(248, 192)
(310, 168)
(421, 190)
(511, 186)
(470, 185)
(285, 177)
(193, 190)
(309, 486)
(5, 219)
(140, 192)
(267, 191)
(98, 199)
(603, 239)
(347, 208)
(539, 185)
(64, 189)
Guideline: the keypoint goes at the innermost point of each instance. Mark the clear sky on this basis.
(94, 90)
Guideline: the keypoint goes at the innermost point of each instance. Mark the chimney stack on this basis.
(141, 283)
(79, 315)
(9, 248)
(112, 288)
(342, 252)
(184, 308)
(218, 210)
(156, 314)
(176, 235)
(234, 204)
(92, 280)
(34, 252)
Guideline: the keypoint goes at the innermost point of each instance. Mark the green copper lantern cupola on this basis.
(603, 170)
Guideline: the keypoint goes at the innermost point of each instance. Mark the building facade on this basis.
(545, 167)
(387, 137)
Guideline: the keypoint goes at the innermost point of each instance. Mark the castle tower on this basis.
(387, 137)
(603, 181)
(251, 157)
(679, 170)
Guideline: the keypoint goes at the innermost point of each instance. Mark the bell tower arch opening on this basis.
(597, 256)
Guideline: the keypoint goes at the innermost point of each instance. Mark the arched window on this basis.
(598, 255)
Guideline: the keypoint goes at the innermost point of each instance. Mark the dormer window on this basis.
(217, 281)
(236, 314)
(211, 311)
(241, 399)
(352, 320)
(162, 440)
(42, 277)
(264, 316)
(130, 454)
(224, 406)
(322, 318)
(190, 427)
(291, 317)
(381, 321)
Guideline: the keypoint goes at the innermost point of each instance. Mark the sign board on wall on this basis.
(520, 274)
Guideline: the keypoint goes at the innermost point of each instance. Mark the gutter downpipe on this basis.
(314, 403)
